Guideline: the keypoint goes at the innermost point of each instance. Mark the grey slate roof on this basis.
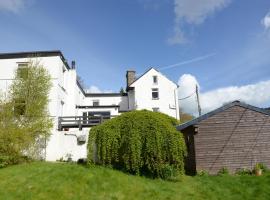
(218, 110)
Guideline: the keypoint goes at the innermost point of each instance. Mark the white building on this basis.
(68, 101)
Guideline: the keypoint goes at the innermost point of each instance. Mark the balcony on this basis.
(81, 121)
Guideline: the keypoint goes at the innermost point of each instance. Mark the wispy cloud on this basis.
(192, 12)
(13, 6)
(188, 61)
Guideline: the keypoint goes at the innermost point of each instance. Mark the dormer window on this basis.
(95, 102)
(155, 79)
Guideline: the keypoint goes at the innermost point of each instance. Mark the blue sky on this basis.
(221, 43)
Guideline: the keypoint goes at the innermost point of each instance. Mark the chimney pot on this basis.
(73, 64)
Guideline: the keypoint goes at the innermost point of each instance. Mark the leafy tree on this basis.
(139, 142)
(24, 118)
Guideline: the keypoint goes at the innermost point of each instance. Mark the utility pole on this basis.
(198, 101)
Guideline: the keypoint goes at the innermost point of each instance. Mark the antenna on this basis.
(198, 101)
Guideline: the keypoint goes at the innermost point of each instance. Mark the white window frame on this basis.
(96, 101)
(155, 90)
(155, 80)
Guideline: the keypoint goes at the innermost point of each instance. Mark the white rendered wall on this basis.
(61, 144)
(122, 101)
(168, 99)
(63, 98)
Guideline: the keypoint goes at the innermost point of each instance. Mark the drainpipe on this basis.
(175, 99)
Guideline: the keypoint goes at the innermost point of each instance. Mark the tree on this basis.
(24, 120)
(139, 142)
(122, 91)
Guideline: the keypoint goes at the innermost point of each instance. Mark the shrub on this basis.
(139, 142)
(168, 172)
(243, 171)
(202, 173)
(261, 166)
(223, 171)
(4, 161)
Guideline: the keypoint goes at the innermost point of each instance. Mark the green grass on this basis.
(70, 181)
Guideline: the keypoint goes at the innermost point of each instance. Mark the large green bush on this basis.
(139, 142)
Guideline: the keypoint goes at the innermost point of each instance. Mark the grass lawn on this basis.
(70, 181)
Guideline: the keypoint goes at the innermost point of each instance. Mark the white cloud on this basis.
(255, 94)
(13, 5)
(187, 84)
(266, 21)
(193, 12)
(95, 89)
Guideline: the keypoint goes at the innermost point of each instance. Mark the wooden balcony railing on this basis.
(81, 121)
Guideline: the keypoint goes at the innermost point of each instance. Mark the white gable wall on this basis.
(168, 99)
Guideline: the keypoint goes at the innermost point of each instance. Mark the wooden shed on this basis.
(235, 136)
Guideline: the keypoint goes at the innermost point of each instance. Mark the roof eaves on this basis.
(31, 54)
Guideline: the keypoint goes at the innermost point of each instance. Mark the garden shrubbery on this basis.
(139, 142)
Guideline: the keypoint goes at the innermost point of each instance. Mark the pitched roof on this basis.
(31, 54)
(147, 72)
(218, 110)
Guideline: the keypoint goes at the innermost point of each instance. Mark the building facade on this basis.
(69, 101)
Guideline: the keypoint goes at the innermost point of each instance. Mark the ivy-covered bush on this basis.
(139, 142)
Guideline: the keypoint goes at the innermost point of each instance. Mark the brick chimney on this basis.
(131, 77)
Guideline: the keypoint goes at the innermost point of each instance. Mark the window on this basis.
(156, 109)
(22, 70)
(95, 102)
(155, 93)
(84, 117)
(155, 80)
(95, 117)
(19, 107)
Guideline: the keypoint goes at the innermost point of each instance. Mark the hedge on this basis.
(139, 142)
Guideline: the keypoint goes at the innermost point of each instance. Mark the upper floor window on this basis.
(22, 70)
(19, 107)
(95, 102)
(155, 94)
(155, 79)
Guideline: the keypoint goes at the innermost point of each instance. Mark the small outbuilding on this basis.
(235, 136)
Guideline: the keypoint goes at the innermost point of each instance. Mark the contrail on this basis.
(188, 61)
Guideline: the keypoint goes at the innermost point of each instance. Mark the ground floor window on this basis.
(156, 109)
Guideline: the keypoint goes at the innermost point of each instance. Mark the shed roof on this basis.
(221, 109)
